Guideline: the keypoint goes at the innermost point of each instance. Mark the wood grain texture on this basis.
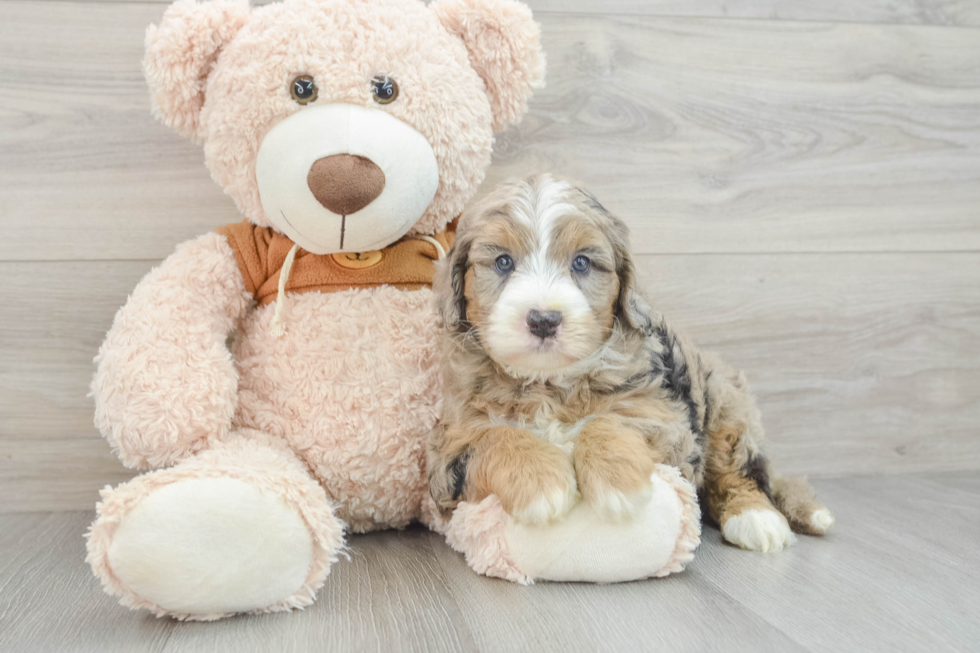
(858, 366)
(872, 583)
(706, 135)
(914, 12)
(55, 316)
(679, 613)
(43, 474)
(51, 601)
(897, 574)
(87, 173)
(754, 136)
(929, 515)
(861, 363)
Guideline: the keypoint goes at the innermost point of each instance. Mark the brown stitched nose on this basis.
(345, 183)
(543, 324)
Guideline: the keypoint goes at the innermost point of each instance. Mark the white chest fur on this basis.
(546, 427)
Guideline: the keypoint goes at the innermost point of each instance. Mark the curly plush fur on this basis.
(323, 428)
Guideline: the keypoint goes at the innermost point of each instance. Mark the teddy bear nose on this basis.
(345, 183)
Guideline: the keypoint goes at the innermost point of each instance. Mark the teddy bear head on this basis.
(345, 124)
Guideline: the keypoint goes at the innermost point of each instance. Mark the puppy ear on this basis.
(180, 53)
(449, 284)
(504, 45)
(632, 309)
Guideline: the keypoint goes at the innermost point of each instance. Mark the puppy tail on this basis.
(794, 498)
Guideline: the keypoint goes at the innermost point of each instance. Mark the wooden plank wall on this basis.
(802, 179)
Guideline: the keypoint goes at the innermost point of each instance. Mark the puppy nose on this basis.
(345, 183)
(543, 324)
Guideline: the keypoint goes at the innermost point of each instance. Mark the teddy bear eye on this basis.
(303, 89)
(384, 88)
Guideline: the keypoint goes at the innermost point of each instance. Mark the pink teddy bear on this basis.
(280, 375)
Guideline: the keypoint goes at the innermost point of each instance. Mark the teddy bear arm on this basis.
(166, 384)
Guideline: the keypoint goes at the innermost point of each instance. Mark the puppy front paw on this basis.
(617, 505)
(540, 489)
(613, 474)
(756, 529)
(547, 506)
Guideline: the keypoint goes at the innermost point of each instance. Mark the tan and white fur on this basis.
(561, 382)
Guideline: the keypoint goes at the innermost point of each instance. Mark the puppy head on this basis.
(542, 273)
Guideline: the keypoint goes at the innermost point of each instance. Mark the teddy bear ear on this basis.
(504, 45)
(180, 53)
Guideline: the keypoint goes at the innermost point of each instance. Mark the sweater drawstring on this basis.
(278, 328)
(440, 250)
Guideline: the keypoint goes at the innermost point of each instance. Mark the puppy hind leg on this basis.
(738, 494)
(795, 499)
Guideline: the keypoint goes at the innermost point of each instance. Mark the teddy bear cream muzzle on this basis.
(342, 178)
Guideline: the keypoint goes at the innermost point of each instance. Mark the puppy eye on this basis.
(303, 89)
(504, 264)
(581, 264)
(384, 88)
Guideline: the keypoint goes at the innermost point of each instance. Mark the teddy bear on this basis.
(279, 376)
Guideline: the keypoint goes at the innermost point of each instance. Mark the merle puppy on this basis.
(560, 380)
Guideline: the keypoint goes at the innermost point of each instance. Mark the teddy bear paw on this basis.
(208, 547)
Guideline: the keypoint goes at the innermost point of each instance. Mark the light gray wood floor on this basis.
(900, 573)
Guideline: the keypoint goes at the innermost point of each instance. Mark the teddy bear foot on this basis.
(207, 539)
(658, 540)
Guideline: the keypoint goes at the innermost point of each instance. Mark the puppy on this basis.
(560, 380)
